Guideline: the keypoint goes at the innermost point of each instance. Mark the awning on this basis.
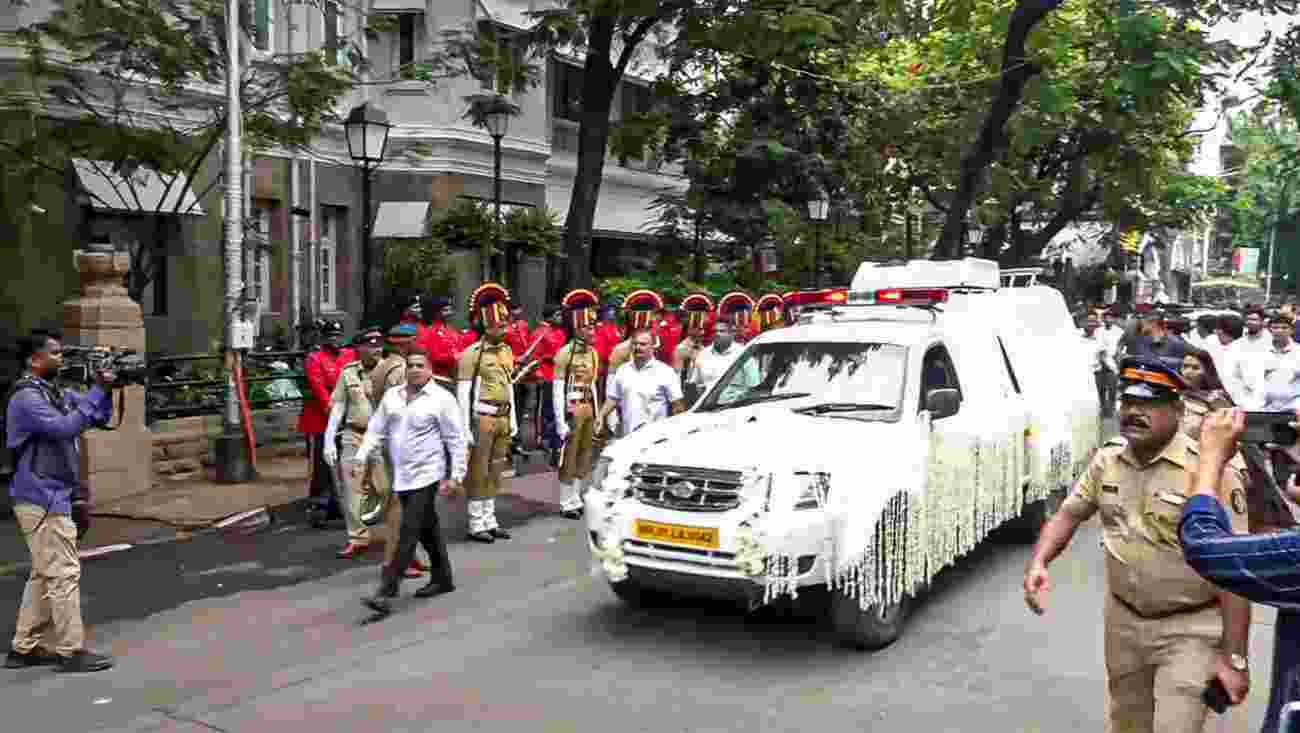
(1224, 282)
(621, 211)
(512, 13)
(144, 190)
(402, 220)
(398, 6)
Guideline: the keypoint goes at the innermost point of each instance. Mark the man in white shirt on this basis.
(1101, 360)
(416, 422)
(643, 390)
(714, 361)
(1274, 371)
(1246, 358)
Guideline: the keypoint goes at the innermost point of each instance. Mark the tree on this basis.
(1265, 198)
(136, 87)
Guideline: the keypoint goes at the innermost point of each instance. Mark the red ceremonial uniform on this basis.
(552, 340)
(608, 335)
(517, 338)
(322, 367)
(669, 332)
(443, 344)
(467, 338)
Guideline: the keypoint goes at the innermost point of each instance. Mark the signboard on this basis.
(1245, 260)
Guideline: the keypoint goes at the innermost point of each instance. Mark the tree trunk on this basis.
(600, 80)
(1017, 70)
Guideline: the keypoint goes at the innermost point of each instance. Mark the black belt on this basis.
(1166, 614)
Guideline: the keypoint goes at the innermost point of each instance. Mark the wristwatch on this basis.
(1238, 662)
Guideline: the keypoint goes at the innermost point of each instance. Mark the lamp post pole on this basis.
(496, 201)
(367, 130)
(366, 230)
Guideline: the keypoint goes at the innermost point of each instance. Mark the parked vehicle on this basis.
(863, 449)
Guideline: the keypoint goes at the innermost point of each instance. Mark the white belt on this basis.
(579, 395)
(484, 408)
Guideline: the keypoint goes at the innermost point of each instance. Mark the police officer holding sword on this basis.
(573, 394)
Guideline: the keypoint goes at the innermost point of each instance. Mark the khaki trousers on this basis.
(51, 605)
(1156, 670)
(579, 448)
(352, 490)
(488, 458)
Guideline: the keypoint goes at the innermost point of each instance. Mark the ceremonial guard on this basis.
(538, 367)
(699, 312)
(771, 312)
(574, 396)
(668, 334)
(322, 366)
(487, 400)
(442, 341)
(608, 335)
(737, 308)
(1167, 630)
(414, 315)
(639, 310)
(518, 340)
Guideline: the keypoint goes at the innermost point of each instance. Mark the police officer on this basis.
(351, 406)
(699, 307)
(639, 310)
(442, 340)
(771, 312)
(737, 307)
(322, 367)
(573, 394)
(1167, 630)
(485, 374)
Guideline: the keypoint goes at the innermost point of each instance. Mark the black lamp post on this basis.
(497, 120)
(367, 132)
(818, 209)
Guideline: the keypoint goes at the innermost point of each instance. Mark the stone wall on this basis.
(182, 448)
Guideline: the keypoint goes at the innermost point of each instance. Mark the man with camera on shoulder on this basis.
(43, 425)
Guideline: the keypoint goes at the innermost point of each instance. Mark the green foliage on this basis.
(676, 287)
(536, 229)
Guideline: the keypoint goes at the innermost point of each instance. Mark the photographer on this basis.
(1264, 568)
(43, 425)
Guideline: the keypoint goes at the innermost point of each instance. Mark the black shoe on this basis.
(379, 603)
(571, 514)
(499, 533)
(84, 661)
(434, 589)
(554, 459)
(484, 537)
(34, 658)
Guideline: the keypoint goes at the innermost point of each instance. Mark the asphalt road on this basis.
(531, 641)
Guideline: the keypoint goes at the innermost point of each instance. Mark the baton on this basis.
(524, 372)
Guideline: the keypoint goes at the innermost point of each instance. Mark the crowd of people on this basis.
(399, 414)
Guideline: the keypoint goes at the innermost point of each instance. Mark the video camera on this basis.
(82, 363)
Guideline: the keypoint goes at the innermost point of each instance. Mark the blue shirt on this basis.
(44, 439)
(1264, 568)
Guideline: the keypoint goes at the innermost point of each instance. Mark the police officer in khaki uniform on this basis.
(770, 312)
(1167, 631)
(639, 309)
(350, 408)
(699, 308)
(486, 395)
(573, 394)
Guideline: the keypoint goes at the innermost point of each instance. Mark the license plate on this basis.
(677, 534)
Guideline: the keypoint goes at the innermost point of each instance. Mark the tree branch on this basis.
(632, 40)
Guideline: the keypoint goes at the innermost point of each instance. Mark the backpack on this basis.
(8, 456)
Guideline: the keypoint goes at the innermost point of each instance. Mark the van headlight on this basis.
(814, 487)
(600, 472)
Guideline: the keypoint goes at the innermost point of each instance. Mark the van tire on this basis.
(1029, 525)
(869, 629)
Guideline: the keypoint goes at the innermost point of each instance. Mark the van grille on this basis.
(685, 488)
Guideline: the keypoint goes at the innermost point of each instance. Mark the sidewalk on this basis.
(178, 509)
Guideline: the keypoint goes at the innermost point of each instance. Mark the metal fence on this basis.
(187, 385)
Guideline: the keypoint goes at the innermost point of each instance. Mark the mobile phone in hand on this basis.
(1270, 427)
(1215, 696)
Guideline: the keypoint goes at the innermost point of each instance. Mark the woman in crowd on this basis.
(1205, 391)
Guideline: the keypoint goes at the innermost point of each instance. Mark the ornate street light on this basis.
(497, 120)
(973, 238)
(367, 130)
(818, 209)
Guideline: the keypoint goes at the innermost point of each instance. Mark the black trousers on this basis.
(1285, 685)
(321, 489)
(419, 524)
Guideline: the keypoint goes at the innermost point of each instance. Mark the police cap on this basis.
(1150, 378)
(403, 331)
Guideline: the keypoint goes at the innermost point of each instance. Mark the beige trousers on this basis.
(50, 614)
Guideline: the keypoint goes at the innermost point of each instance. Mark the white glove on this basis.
(330, 454)
(514, 428)
(467, 410)
(562, 429)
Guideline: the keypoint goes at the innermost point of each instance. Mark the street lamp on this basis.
(497, 120)
(818, 208)
(367, 133)
(973, 238)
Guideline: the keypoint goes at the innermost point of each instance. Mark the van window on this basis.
(937, 372)
(1011, 372)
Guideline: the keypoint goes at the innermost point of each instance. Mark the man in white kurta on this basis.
(643, 390)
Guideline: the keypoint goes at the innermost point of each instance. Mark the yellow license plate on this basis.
(677, 534)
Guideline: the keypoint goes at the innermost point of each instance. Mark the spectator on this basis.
(1101, 361)
(644, 390)
(1204, 393)
(1264, 568)
(1243, 358)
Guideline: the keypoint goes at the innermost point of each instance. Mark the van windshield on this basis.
(867, 374)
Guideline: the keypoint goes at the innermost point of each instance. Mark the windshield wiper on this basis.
(759, 398)
(824, 408)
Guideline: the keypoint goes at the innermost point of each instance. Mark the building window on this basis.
(257, 255)
(332, 31)
(264, 25)
(406, 42)
(567, 92)
(509, 46)
(331, 219)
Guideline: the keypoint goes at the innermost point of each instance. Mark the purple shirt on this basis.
(44, 440)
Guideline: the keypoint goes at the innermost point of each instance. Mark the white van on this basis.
(863, 449)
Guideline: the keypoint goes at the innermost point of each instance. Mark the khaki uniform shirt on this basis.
(1141, 506)
(355, 391)
(389, 372)
(687, 351)
(495, 370)
(585, 365)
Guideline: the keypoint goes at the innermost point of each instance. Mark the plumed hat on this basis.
(488, 305)
(580, 307)
(770, 311)
(640, 307)
(736, 308)
(698, 306)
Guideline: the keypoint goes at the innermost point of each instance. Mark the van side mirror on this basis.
(942, 402)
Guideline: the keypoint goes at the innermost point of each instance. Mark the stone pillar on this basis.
(114, 463)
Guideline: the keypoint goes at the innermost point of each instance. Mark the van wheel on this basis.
(1026, 527)
(874, 628)
(636, 595)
